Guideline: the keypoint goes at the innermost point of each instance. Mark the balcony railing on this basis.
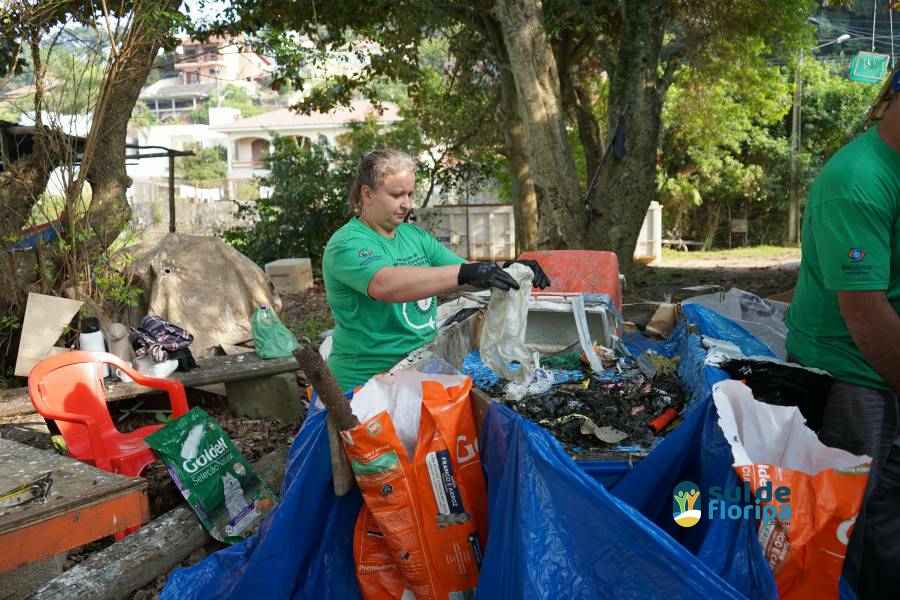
(248, 164)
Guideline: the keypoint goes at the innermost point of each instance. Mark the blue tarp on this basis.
(555, 531)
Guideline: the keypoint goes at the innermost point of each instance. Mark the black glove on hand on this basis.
(485, 275)
(540, 278)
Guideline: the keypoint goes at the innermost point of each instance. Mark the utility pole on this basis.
(794, 200)
(796, 118)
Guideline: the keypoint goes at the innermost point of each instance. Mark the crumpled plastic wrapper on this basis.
(503, 335)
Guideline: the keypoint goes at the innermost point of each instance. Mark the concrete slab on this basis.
(276, 397)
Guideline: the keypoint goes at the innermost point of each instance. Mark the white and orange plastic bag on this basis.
(415, 458)
(773, 448)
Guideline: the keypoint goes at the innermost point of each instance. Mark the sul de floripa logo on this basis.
(685, 497)
(727, 502)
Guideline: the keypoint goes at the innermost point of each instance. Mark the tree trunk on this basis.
(524, 199)
(110, 211)
(627, 185)
(534, 70)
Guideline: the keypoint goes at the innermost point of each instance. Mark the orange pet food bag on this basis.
(423, 525)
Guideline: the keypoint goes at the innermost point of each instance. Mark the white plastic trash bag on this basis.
(762, 318)
(503, 334)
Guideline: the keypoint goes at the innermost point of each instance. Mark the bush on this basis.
(307, 205)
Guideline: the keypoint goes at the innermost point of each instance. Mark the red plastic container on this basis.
(593, 271)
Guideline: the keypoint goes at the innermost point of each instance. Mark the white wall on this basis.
(169, 136)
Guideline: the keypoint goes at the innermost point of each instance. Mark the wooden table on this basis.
(219, 369)
(84, 504)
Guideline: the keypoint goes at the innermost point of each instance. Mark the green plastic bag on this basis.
(218, 483)
(270, 337)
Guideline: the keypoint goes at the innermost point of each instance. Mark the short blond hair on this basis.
(373, 167)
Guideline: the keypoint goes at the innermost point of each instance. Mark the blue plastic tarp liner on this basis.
(554, 530)
(556, 533)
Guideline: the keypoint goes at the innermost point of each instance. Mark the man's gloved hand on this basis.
(485, 275)
(540, 278)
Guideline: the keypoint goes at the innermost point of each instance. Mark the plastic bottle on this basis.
(91, 338)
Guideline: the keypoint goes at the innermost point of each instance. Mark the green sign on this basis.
(868, 67)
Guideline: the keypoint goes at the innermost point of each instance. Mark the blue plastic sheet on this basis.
(557, 533)
(556, 530)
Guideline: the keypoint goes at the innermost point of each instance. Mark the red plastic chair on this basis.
(68, 388)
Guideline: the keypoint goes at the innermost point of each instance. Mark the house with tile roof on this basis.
(250, 139)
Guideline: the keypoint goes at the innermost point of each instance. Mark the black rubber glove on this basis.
(540, 278)
(485, 275)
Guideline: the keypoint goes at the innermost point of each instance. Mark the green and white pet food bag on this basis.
(218, 483)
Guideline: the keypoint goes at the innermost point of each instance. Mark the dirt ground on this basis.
(762, 275)
(307, 315)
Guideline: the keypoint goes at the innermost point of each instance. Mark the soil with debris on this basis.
(253, 437)
(764, 278)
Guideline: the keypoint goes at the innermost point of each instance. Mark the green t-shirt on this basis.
(850, 235)
(371, 336)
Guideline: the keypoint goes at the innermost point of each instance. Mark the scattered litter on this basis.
(35, 491)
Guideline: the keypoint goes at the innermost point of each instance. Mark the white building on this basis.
(202, 68)
(250, 139)
(176, 137)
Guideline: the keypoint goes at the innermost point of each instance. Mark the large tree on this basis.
(31, 33)
(598, 69)
(92, 167)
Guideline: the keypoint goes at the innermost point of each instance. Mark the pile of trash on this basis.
(631, 402)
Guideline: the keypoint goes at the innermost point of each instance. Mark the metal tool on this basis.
(37, 491)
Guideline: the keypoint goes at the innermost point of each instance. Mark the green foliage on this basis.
(142, 116)
(308, 203)
(834, 110)
(721, 149)
(726, 147)
(206, 164)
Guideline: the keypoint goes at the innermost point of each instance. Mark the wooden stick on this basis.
(326, 387)
(340, 417)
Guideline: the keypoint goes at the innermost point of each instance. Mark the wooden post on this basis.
(340, 417)
(171, 193)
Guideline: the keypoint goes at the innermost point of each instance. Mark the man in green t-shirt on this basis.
(382, 274)
(844, 319)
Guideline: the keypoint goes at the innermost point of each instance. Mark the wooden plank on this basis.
(84, 504)
(156, 548)
(219, 369)
(72, 528)
(75, 484)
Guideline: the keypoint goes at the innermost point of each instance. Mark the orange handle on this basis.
(660, 422)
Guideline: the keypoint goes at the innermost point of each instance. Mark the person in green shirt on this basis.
(382, 274)
(844, 319)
